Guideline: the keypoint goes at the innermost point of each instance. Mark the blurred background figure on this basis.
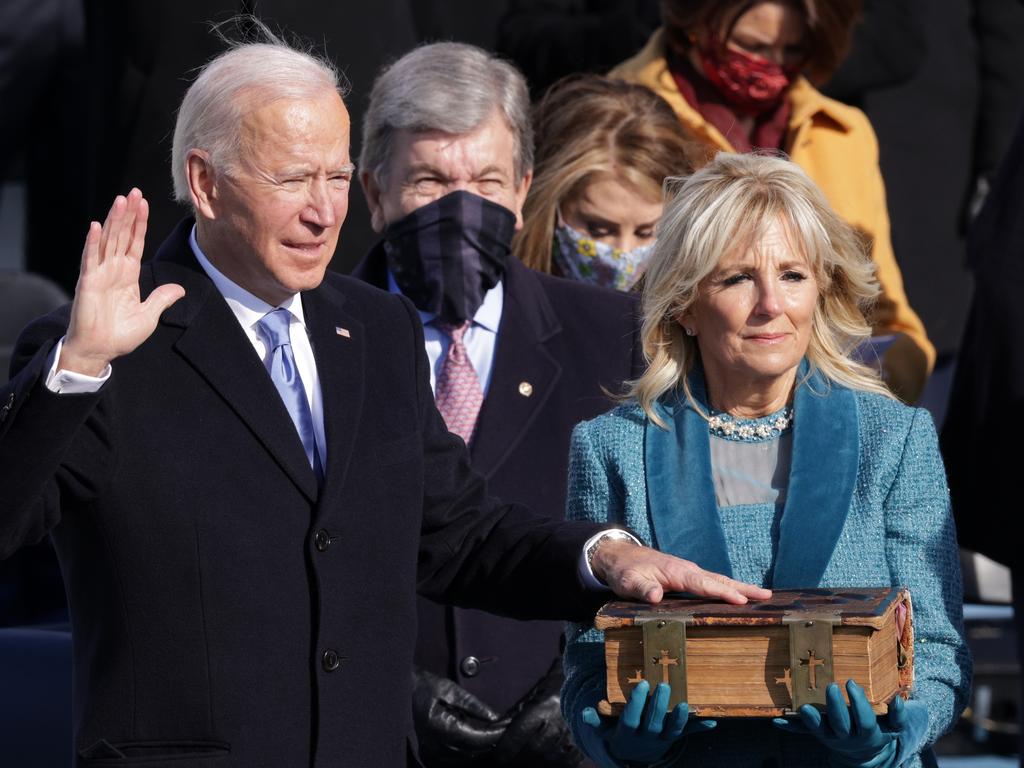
(604, 148)
(44, 148)
(734, 72)
(31, 587)
(550, 39)
(987, 401)
(940, 81)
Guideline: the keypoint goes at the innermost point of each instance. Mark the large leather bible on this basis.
(762, 659)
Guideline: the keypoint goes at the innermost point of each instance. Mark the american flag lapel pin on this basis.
(343, 332)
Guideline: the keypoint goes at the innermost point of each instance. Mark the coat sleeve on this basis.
(922, 554)
(52, 447)
(590, 498)
(477, 552)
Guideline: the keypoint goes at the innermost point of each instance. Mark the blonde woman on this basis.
(756, 446)
(604, 148)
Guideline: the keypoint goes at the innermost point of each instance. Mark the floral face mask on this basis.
(583, 258)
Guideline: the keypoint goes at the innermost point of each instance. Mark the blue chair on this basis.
(35, 697)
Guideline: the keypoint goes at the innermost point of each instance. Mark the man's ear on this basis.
(202, 183)
(521, 191)
(372, 191)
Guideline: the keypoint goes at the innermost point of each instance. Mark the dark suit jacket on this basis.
(223, 607)
(567, 340)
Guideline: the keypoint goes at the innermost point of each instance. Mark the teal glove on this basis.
(853, 734)
(643, 734)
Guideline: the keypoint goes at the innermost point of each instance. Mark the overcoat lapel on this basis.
(680, 491)
(822, 480)
(216, 347)
(521, 356)
(339, 345)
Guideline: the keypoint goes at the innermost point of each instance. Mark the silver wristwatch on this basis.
(612, 534)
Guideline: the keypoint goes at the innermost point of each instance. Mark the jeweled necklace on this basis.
(765, 428)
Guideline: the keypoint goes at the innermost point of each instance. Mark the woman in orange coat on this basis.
(738, 75)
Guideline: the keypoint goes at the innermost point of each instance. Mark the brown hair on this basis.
(830, 26)
(588, 126)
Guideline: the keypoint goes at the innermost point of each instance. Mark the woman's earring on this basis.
(689, 331)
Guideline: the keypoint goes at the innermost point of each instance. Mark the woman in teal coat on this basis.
(756, 446)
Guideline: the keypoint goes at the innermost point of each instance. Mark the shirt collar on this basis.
(488, 315)
(247, 308)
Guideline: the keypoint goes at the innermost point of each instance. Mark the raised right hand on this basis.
(108, 318)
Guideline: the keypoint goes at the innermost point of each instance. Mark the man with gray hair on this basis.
(242, 468)
(517, 359)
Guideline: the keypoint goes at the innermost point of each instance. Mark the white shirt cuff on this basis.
(590, 581)
(68, 382)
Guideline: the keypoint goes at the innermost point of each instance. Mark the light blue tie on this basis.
(285, 375)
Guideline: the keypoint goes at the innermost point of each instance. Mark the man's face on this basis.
(271, 223)
(426, 166)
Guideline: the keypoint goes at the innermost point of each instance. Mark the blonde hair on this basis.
(727, 205)
(588, 126)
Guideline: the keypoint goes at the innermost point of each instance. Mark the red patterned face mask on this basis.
(750, 83)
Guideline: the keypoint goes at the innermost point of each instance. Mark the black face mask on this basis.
(446, 255)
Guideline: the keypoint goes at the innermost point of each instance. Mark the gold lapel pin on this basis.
(343, 332)
(525, 388)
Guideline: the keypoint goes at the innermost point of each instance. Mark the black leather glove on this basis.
(453, 727)
(538, 735)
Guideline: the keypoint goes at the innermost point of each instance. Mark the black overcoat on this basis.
(226, 611)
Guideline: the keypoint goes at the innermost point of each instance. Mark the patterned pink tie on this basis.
(458, 393)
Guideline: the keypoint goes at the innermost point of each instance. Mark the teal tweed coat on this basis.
(867, 506)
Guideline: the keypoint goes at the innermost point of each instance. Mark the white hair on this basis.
(448, 87)
(248, 75)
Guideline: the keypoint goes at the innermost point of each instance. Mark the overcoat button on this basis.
(525, 388)
(330, 660)
(322, 540)
(470, 666)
